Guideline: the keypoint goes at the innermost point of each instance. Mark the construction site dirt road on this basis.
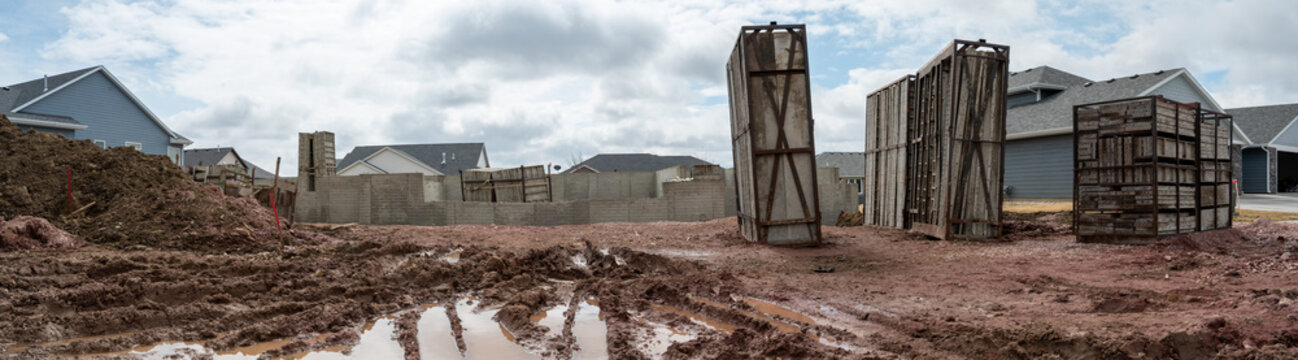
(666, 290)
(128, 258)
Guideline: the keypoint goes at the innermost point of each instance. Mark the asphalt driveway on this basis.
(1287, 202)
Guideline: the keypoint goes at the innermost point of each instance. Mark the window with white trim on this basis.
(101, 144)
(135, 145)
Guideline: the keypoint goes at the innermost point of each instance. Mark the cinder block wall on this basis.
(836, 196)
(435, 200)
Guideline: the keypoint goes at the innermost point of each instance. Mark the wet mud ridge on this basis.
(412, 302)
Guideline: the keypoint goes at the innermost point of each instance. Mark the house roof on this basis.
(1057, 111)
(1044, 75)
(27, 91)
(194, 157)
(20, 95)
(849, 164)
(1264, 122)
(459, 156)
(636, 162)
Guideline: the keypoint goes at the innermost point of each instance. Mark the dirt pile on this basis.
(129, 197)
(26, 232)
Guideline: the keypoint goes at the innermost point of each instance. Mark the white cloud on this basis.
(3, 37)
(540, 81)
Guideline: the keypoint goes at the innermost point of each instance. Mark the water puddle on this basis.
(452, 257)
(376, 342)
(16, 349)
(696, 317)
(772, 310)
(484, 338)
(766, 311)
(590, 332)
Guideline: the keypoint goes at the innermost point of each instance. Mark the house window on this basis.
(101, 144)
(135, 145)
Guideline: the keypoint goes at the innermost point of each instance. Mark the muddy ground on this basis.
(892, 294)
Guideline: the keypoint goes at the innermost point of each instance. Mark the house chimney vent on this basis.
(443, 158)
(47, 82)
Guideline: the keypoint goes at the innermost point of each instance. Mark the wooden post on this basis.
(70, 190)
(274, 187)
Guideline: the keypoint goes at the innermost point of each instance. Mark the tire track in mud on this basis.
(315, 297)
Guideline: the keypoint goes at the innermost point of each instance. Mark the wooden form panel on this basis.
(884, 187)
(772, 136)
(520, 184)
(1149, 167)
(957, 142)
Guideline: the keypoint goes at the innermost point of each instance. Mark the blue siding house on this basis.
(90, 104)
(1039, 121)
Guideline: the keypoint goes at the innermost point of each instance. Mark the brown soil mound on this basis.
(1016, 230)
(850, 219)
(26, 232)
(135, 198)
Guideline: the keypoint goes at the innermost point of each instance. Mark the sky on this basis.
(552, 82)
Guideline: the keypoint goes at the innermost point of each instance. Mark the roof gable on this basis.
(458, 156)
(636, 162)
(33, 91)
(1264, 123)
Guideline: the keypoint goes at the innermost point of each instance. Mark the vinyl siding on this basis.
(1021, 99)
(1040, 167)
(1255, 164)
(1180, 89)
(1287, 138)
(107, 112)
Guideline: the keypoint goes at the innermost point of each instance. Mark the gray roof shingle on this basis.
(636, 162)
(1045, 75)
(1263, 123)
(209, 156)
(849, 164)
(1057, 111)
(459, 156)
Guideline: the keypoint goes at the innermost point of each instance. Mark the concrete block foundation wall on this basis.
(414, 199)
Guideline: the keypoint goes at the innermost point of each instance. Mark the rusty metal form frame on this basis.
(756, 219)
(1216, 118)
(935, 204)
(1156, 162)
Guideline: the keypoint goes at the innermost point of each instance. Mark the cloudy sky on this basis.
(548, 81)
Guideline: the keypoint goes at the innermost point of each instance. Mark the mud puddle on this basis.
(376, 341)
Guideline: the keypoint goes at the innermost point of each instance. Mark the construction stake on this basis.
(274, 187)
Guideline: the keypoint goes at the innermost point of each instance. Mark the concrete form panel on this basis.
(884, 186)
(1149, 167)
(772, 136)
(956, 153)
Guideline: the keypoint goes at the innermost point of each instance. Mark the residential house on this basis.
(632, 163)
(1270, 161)
(851, 167)
(427, 159)
(90, 104)
(224, 156)
(1039, 121)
